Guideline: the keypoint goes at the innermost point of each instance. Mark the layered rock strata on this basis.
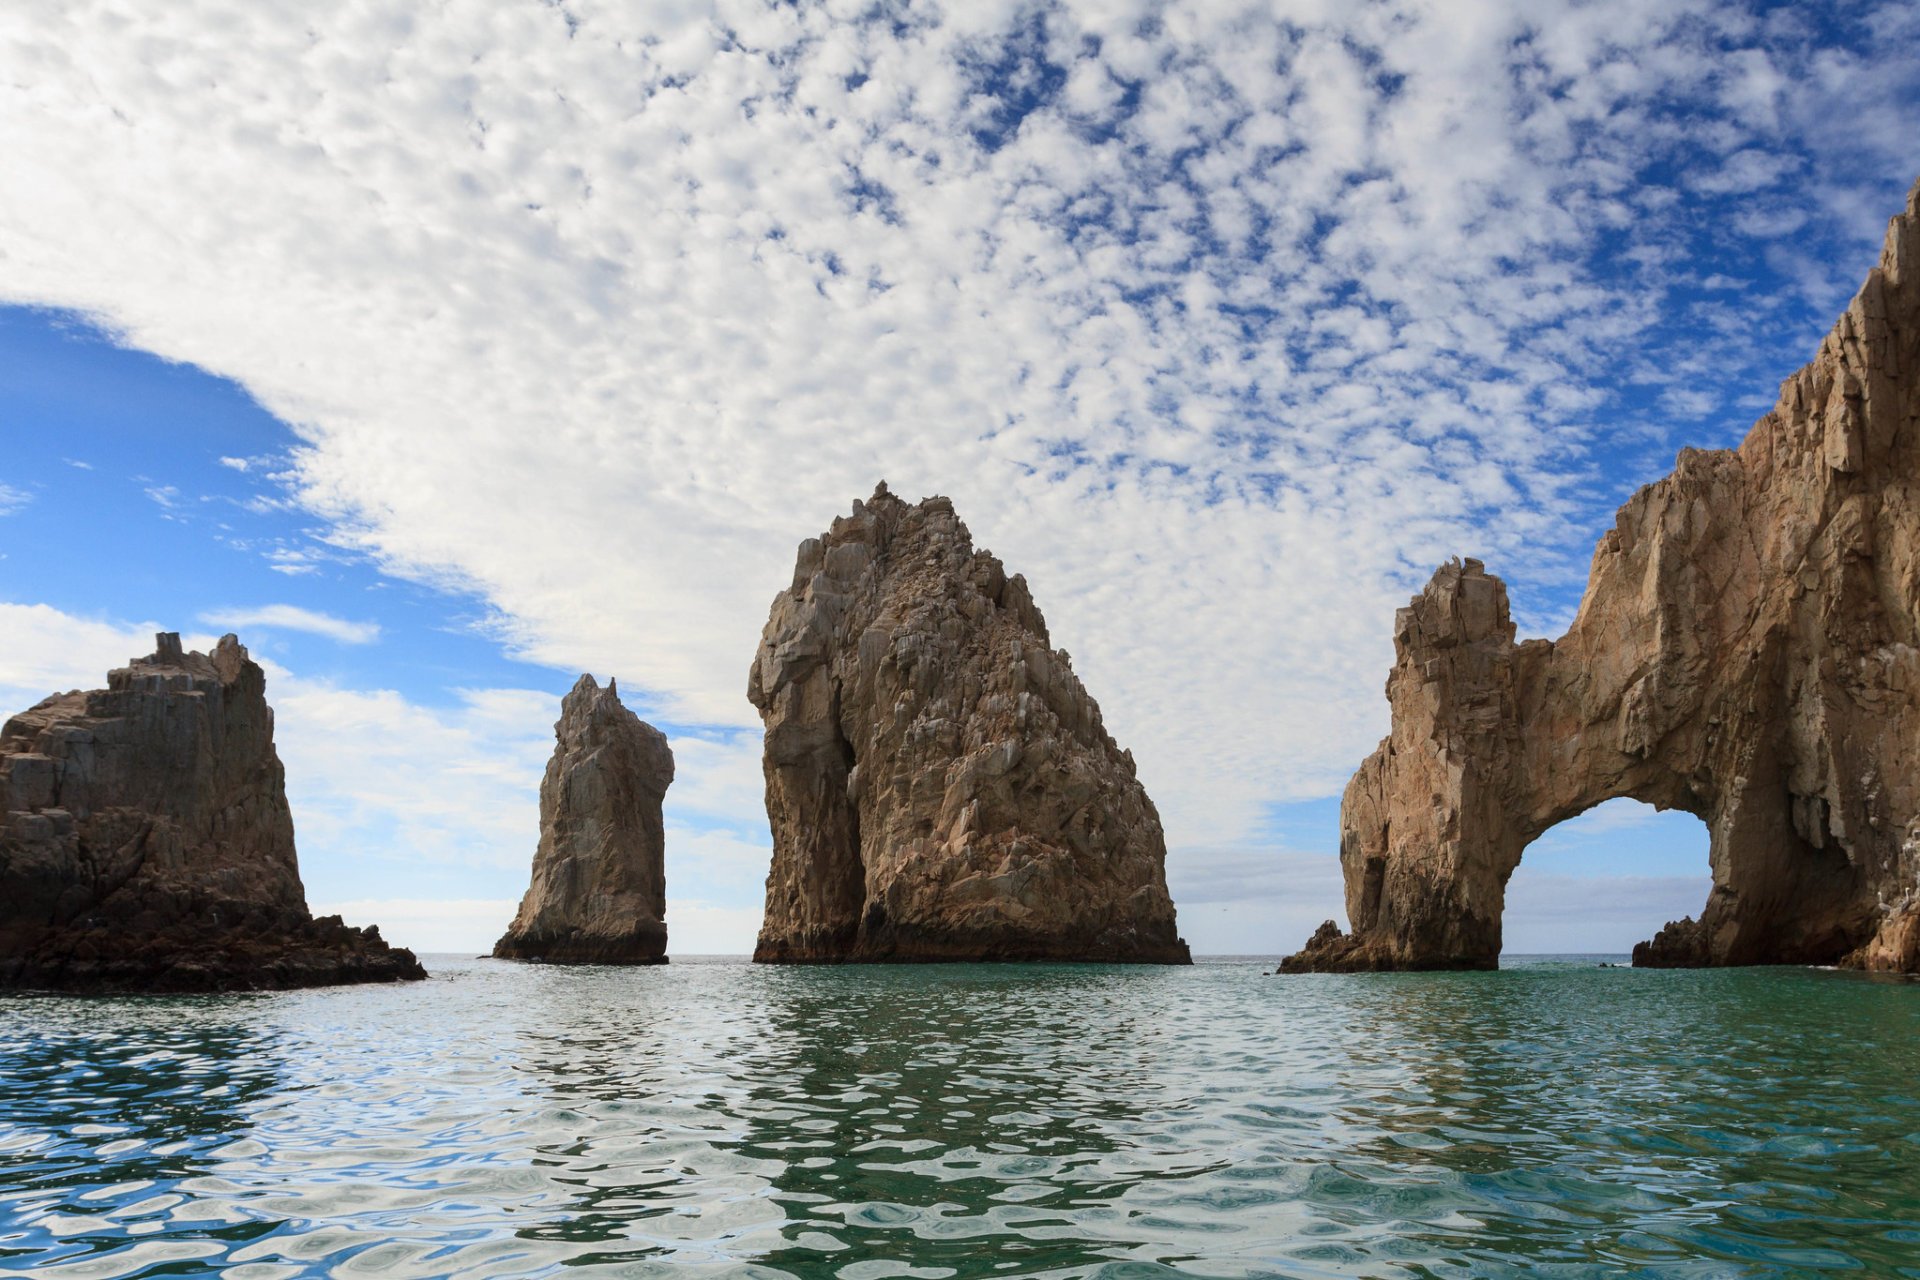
(599, 890)
(148, 845)
(1748, 651)
(939, 784)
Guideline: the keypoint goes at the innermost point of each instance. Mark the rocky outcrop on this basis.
(148, 845)
(939, 784)
(1748, 650)
(599, 891)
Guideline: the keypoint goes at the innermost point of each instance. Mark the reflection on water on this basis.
(506, 1120)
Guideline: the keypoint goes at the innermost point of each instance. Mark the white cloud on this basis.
(598, 313)
(288, 617)
(470, 926)
(12, 499)
(48, 651)
(375, 777)
(710, 929)
(1555, 914)
(456, 926)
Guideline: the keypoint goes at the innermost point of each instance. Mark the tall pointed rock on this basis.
(939, 784)
(599, 891)
(146, 843)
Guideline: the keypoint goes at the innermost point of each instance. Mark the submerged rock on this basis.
(939, 784)
(148, 845)
(1748, 650)
(599, 891)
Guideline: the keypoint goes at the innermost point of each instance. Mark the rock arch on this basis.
(1748, 650)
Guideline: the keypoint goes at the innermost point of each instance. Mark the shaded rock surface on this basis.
(148, 845)
(1748, 650)
(599, 890)
(939, 784)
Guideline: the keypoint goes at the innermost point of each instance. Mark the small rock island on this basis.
(939, 784)
(599, 890)
(148, 846)
(1748, 651)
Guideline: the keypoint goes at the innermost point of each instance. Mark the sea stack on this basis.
(939, 784)
(599, 891)
(1748, 650)
(148, 845)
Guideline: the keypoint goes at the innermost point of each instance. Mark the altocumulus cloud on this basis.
(1223, 322)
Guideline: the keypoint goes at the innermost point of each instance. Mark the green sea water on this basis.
(714, 1118)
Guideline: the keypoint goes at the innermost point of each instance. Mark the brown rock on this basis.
(148, 845)
(1748, 650)
(1681, 945)
(939, 784)
(599, 891)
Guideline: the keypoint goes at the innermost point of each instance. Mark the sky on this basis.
(444, 353)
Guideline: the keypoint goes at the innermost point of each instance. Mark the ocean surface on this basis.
(712, 1118)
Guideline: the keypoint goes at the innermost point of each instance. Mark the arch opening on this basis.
(1595, 884)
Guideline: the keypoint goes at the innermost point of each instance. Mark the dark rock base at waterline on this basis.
(188, 958)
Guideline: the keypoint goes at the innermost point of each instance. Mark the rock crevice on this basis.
(599, 888)
(1747, 650)
(148, 845)
(939, 784)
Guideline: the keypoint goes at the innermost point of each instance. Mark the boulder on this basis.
(939, 783)
(148, 845)
(599, 890)
(1748, 651)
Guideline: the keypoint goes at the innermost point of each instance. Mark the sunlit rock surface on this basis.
(1748, 650)
(599, 890)
(939, 784)
(148, 845)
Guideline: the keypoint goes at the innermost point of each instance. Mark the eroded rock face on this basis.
(599, 891)
(1748, 650)
(148, 845)
(939, 784)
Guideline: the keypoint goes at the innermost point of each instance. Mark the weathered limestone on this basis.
(148, 845)
(1748, 650)
(939, 784)
(599, 891)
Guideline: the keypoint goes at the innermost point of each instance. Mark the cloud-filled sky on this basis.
(446, 352)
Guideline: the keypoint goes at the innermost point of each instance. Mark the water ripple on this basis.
(1551, 1120)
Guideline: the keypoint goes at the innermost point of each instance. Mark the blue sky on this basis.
(444, 355)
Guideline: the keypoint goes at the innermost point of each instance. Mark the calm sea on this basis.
(713, 1118)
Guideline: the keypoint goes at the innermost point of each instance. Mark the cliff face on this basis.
(939, 784)
(1748, 650)
(599, 891)
(148, 845)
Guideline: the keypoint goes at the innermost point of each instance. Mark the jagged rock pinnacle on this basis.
(939, 784)
(599, 890)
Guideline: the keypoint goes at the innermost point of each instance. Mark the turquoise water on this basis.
(1554, 1119)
